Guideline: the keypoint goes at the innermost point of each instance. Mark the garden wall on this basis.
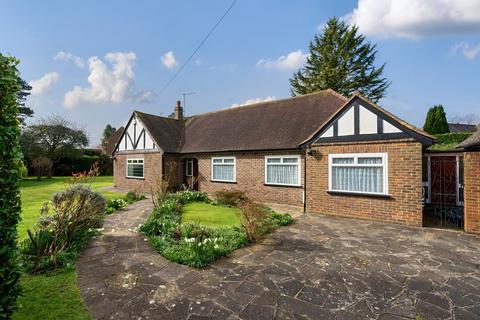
(472, 191)
(404, 203)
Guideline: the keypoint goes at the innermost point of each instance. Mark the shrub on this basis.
(161, 185)
(10, 157)
(42, 167)
(230, 198)
(58, 239)
(23, 170)
(254, 219)
(133, 196)
(116, 204)
(188, 196)
(85, 177)
(282, 219)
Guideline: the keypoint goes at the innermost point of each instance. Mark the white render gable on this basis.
(360, 119)
(136, 137)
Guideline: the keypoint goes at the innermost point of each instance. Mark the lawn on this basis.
(55, 295)
(210, 215)
(34, 193)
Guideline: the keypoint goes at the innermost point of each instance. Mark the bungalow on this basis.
(321, 152)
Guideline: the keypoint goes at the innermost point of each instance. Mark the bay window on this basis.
(223, 169)
(135, 168)
(282, 170)
(358, 173)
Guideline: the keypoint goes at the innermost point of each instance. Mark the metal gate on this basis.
(443, 192)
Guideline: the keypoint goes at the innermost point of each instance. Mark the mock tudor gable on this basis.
(135, 137)
(361, 120)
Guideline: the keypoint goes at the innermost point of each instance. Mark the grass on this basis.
(210, 215)
(50, 296)
(34, 193)
(54, 295)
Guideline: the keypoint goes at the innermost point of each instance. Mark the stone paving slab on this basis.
(320, 267)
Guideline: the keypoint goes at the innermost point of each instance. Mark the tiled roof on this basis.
(471, 142)
(278, 124)
(462, 127)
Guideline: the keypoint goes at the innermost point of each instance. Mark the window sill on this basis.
(283, 185)
(136, 178)
(221, 181)
(359, 194)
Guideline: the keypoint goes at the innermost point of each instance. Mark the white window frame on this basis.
(299, 169)
(126, 168)
(224, 158)
(188, 162)
(384, 157)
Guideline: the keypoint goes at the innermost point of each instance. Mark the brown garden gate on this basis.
(443, 191)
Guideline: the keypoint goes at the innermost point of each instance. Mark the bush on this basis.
(133, 196)
(57, 239)
(188, 196)
(23, 170)
(230, 198)
(116, 204)
(258, 220)
(282, 219)
(10, 157)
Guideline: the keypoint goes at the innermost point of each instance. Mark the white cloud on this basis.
(108, 84)
(254, 100)
(470, 52)
(169, 61)
(68, 56)
(416, 18)
(41, 85)
(292, 61)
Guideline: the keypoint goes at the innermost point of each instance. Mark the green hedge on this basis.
(448, 141)
(10, 160)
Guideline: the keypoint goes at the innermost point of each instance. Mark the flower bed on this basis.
(194, 244)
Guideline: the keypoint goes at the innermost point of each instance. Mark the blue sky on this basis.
(432, 50)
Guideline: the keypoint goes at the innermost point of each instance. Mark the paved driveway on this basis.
(318, 268)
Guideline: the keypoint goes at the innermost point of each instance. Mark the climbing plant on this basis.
(10, 159)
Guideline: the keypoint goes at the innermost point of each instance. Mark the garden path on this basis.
(320, 267)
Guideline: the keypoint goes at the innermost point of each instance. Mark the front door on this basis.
(444, 207)
(190, 177)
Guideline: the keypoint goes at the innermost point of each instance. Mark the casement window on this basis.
(365, 173)
(223, 169)
(189, 167)
(282, 170)
(135, 168)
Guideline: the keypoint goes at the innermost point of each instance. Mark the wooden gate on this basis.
(443, 192)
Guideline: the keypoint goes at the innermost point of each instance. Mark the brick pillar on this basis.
(472, 191)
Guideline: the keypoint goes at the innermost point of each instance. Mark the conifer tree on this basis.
(341, 59)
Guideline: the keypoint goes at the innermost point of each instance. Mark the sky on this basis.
(94, 62)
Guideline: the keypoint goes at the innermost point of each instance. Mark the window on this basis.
(358, 173)
(134, 168)
(189, 167)
(282, 170)
(223, 169)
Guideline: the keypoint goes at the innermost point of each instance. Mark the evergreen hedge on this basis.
(10, 159)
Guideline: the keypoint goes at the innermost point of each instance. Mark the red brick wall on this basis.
(151, 171)
(250, 174)
(472, 191)
(404, 179)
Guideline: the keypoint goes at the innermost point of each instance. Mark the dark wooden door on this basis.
(443, 172)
